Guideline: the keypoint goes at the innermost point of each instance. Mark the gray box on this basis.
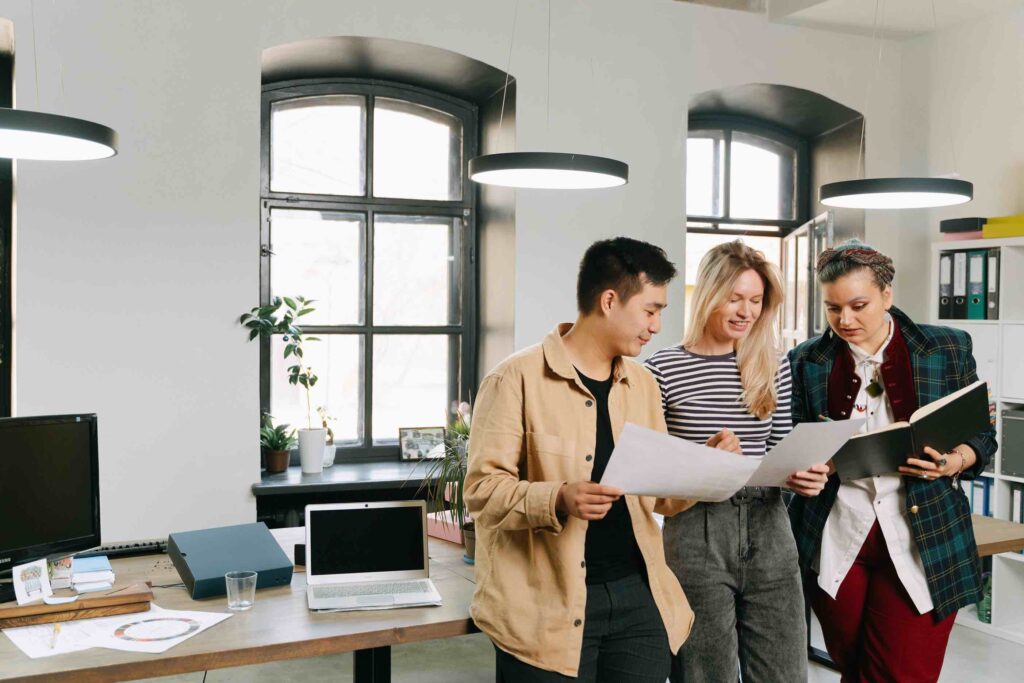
(203, 557)
(1012, 445)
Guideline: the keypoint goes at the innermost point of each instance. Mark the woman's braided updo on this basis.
(852, 255)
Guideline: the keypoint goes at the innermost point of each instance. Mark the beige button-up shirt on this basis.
(534, 425)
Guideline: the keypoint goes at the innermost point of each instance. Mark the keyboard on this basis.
(347, 590)
(128, 548)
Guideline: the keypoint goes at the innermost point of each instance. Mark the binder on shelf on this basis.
(945, 284)
(981, 497)
(1003, 226)
(959, 311)
(1017, 504)
(992, 285)
(977, 259)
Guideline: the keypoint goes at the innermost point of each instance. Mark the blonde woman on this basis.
(728, 387)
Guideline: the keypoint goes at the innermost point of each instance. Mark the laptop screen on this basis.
(363, 540)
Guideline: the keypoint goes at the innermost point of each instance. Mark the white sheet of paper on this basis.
(810, 443)
(154, 631)
(649, 463)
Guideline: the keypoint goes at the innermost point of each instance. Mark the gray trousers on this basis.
(737, 562)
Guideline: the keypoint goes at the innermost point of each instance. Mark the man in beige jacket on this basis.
(571, 575)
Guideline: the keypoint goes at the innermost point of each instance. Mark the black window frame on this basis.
(725, 224)
(6, 249)
(463, 356)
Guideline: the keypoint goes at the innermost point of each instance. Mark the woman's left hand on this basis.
(939, 465)
(809, 483)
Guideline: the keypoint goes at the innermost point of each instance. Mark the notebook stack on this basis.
(89, 574)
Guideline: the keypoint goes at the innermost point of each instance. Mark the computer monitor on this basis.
(49, 488)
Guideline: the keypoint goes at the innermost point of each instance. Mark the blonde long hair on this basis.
(757, 355)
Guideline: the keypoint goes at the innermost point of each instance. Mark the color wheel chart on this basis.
(156, 629)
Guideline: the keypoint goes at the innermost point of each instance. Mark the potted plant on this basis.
(446, 478)
(278, 440)
(266, 321)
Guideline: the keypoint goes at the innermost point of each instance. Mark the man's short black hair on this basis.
(618, 264)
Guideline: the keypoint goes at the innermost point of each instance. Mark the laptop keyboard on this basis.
(355, 589)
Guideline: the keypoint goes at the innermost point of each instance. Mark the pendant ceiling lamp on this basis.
(896, 193)
(28, 134)
(544, 170)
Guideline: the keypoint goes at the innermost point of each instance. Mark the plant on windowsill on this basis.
(446, 477)
(278, 440)
(279, 317)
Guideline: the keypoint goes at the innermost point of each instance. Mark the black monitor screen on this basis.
(370, 539)
(49, 487)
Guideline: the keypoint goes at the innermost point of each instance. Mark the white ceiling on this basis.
(901, 18)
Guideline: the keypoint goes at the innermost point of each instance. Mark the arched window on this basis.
(743, 178)
(368, 210)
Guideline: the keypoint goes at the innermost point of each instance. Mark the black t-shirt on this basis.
(611, 551)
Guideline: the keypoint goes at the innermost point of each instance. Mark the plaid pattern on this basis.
(942, 363)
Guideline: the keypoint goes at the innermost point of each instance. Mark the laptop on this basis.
(368, 556)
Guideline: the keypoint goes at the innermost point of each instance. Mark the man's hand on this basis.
(726, 441)
(587, 500)
(811, 482)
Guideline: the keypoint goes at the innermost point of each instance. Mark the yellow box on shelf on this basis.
(992, 230)
(1019, 219)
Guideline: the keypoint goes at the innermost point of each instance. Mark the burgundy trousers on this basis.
(872, 630)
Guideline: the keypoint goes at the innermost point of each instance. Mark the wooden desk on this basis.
(279, 626)
(996, 536)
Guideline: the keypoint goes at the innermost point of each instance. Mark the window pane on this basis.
(762, 178)
(410, 382)
(319, 255)
(336, 360)
(318, 145)
(705, 168)
(417, 152)
(414, 267)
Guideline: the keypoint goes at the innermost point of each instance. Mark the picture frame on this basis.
(421, 443)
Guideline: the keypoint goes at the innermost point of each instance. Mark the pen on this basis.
(53, 638)
(822, 418)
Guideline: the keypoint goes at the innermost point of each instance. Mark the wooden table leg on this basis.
(372, 666)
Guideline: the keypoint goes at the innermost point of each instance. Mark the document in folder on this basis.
(942, 424)
(649, 463)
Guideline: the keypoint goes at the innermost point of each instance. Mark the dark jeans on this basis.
(737, 563)
(624, 640)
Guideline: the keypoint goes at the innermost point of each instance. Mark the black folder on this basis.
(943, 424)
(992, 284)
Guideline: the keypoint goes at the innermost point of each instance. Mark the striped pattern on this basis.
(942, 362)
(701, 395)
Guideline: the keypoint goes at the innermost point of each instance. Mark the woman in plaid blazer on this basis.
(887, 560)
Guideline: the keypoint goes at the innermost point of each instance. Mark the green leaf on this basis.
(290, 303)
(253, 334)
(311, 338)
(288, 350)
(304, 311)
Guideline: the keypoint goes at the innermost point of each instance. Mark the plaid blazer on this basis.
(940, 517)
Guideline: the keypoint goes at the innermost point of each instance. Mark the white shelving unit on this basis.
(998, 347)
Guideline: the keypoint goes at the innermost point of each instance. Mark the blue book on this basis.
(98, 563)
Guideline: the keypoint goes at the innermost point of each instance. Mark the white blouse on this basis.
(860, 502)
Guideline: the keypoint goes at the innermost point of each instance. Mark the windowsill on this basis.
(345, 476)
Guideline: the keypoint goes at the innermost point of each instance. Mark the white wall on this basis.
(132, 271)
(964, 93)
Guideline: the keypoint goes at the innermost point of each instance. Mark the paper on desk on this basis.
(154, 631)
(649, 463)
(810, 443)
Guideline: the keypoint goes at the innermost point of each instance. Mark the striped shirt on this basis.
(701, 396)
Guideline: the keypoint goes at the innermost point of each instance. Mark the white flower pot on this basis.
(311, 450)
